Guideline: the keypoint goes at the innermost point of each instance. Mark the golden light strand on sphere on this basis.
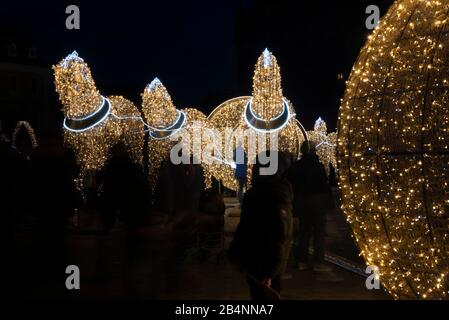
(393, 149)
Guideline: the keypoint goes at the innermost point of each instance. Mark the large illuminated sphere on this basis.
(264, 113)
(393, 157)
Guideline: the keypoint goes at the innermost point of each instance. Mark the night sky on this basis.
(204, 51)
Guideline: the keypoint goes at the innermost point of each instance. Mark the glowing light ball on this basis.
(93, 123)
(393, 157)
(167, 126)
(266, 112)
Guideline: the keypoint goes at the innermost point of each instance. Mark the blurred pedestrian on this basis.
(10, 163)
(312, 201)
(53, 198)
(262, 241)
(126, 195)
(241, 169)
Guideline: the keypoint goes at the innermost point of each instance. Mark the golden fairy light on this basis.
(157, 105)
(393, 159)
(263, 114)
(30, 131)
(168, 127)
(93, 123)
(267, 90)
(326, 144)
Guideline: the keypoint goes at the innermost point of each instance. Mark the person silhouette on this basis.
(241, 169)
(262, 241)
(312, 201)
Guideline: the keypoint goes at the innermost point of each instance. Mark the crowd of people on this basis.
(41, 198)
(38, 190)
(264, 237)
(37, 193)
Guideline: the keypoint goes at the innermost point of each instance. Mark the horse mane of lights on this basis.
(267, 111)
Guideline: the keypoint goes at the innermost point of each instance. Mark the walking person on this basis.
(312, 201)
(262, 241)
(241, 169)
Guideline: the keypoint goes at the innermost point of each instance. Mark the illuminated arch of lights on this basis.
(266, 112)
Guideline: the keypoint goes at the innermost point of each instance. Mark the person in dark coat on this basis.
(126, 193)
(53, 199)
(241, 169)
(262, 241)
(312, 201)
(189, 184)
(10, 165)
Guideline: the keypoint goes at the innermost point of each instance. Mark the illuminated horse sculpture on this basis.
(326, 144)
(167, 126)
(93, 123)
(264, 114)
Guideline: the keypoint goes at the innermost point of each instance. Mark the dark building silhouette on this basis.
(24, 83)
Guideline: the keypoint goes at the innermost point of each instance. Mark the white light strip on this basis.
(268, 131)
(326, 144)
(180, 113)
(148, 127)
(93, 125)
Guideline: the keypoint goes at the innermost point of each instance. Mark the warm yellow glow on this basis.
(326, 144)
(393, 149)
(157, 105)
(267, 90)
(161, 113)
(267, 104)
(80, 98)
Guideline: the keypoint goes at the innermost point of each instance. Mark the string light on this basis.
(326, 144)
(29, 130)
(393, 159)
(267, 90)
(265, 108)
(168, 126)
(93, 123)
